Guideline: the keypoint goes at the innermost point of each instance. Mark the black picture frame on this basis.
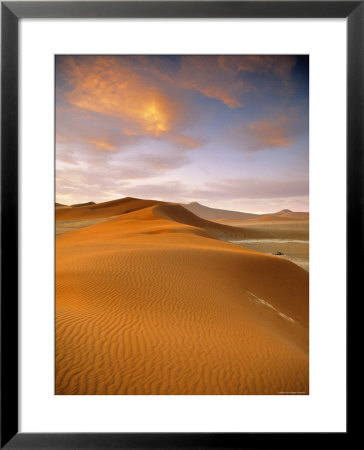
(11, 12)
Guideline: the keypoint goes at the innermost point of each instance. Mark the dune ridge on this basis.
(151, 302)
(205, 212)
(106, 209)
(173, 211)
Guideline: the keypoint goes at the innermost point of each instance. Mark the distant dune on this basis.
(172, 211)
(59, 205)
(215, 214)
(64, 226)
(274, 218)
(150, 302)
(180, 214)
(106, 209)
(287, 214)
(83, 204)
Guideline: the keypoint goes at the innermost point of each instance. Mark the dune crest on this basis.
(205, 212)
(106, 209)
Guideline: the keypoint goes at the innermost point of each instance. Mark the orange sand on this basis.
(149, 302)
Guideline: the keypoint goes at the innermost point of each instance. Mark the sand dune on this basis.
(284, 214)
(291, 214)
(63, 226)
(269, 219)
(149, 302)
(180, 214)
(175, 212)
(77, 205)
(106, 209)
(59, 205)
(205, 212)
(221, 215)
(272, 218)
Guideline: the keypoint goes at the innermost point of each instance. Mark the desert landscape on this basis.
(153, 299)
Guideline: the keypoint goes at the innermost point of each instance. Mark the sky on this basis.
(226, 131)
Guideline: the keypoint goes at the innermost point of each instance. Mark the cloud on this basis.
(86, 130)
(106, 86)
(98, 184)
(152, 163)
(279, 130)
(95, 177)
(103, 144)
(203, 74)
(279, 65)
(173, 191)
(139, 97)
(251, 188)
(230, 78)
(185, 142)
(107, 105)
(263, 134)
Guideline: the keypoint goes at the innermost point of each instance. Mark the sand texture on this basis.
(150, 301)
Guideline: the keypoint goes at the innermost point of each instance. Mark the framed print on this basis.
(176, 256)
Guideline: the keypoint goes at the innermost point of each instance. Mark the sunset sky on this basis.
(227, 131)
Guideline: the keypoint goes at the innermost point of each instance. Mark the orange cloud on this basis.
(103, 145)
(268, 134)
(102, 85)
(204, 75)
(227, 96)
(277, 132)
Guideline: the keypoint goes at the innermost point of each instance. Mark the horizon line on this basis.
(178, 203)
